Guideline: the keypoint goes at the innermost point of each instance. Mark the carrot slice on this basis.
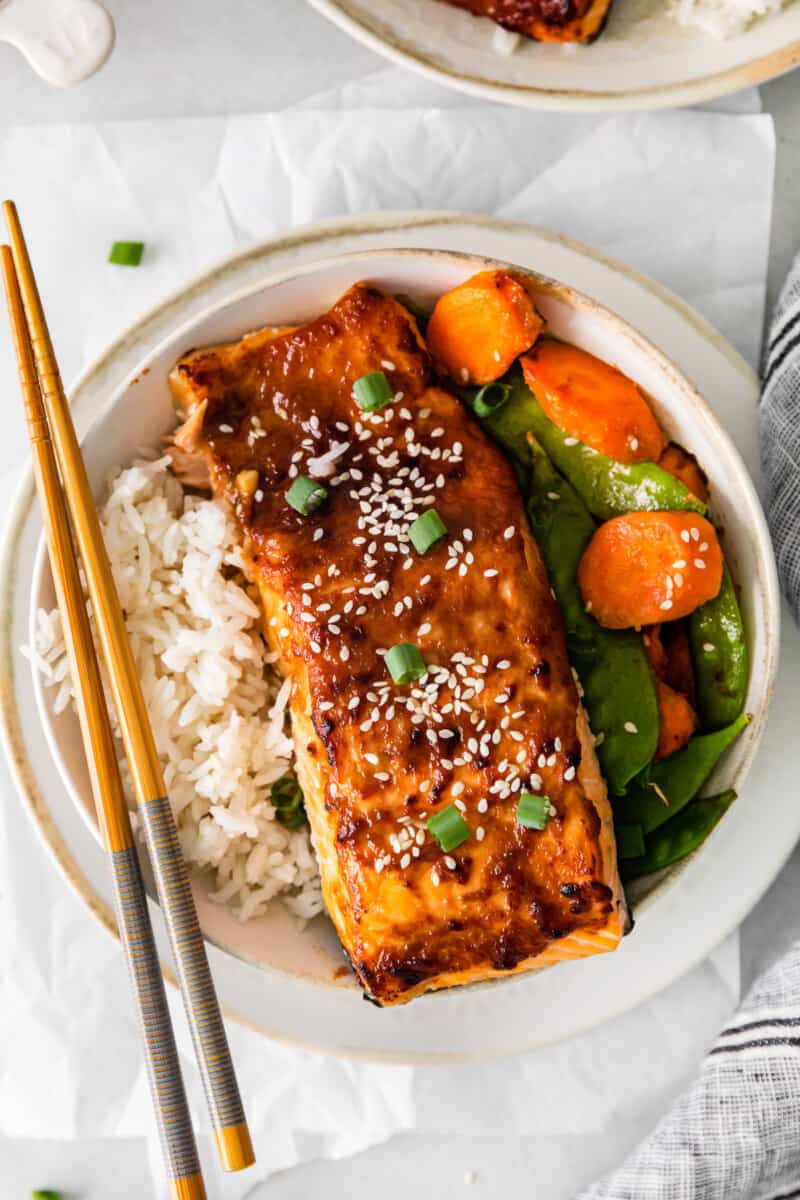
(647, 567)
(684, 466)
(677, 718)
(654, 649)
(680, 667)
(593, 402)
(481, 327)
(678, 721)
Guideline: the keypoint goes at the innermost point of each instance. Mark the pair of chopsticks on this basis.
(67, 506)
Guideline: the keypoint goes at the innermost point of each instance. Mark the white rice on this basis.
(217, 706)
(723, 18)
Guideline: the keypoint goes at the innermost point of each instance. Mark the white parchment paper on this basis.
(682, 196)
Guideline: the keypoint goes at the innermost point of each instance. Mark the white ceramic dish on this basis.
(643, 58)
(293, 994)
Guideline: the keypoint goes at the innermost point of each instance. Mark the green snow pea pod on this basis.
(678, 837)
(618, 684)
(671, 784)
(719, 654)
(607, 488)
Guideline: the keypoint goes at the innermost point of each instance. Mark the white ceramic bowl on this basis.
(643, 59)
(141, 411)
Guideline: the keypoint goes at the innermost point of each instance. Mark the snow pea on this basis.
(669, 786)
(612, 666)
(679, 836)
(607, 488)
(719, 654)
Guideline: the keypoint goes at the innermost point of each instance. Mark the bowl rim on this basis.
(678, 383)
(669, 95)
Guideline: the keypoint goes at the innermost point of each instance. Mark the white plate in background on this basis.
(642, 59)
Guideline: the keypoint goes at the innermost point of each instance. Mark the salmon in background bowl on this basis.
(142, 412)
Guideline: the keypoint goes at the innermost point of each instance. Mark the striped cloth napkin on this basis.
(735, 1134)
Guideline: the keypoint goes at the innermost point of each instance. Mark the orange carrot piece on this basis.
(647, 567)
(477, 330)
(680, 668)
(593, 402)
(678, 720)
(684, 466)
(677, 717)
(654, 649)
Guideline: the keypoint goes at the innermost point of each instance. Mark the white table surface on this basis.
(184, 58)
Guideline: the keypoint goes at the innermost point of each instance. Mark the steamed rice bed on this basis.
(217, 706)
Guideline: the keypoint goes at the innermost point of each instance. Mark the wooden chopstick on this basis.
(202, 1008)
(166, 1084)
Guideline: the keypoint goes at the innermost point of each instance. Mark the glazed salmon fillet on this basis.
(497, 711)
(544, 20)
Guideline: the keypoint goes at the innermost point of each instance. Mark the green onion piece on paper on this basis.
(46, 1194)
(489, 398)
(630, 841)
(372, 391)
(126, 254)
(533, 811)
(405, 663)
(287, 800)
(426, 531)
(449, 828)
(305, 495)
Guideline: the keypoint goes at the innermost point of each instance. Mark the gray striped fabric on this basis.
(780, 435)
(735, 1134)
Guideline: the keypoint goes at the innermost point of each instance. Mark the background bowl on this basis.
(643, 58)
(140, 411)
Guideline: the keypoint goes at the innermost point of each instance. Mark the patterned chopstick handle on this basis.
(200, 999)
(166, 1084)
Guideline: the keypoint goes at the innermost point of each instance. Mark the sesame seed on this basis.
(569, 774)
(490, 574)
(695, 533)
(685, 535)
(480, 833)
(382, 776)
(372, 758)
(570, 441)
(405, 861)
(509, 533)
(553, 496)
(483, 805)
(629, 728)
(259, 495)
(665, 605)
(633, 443)
(318, 534)
(679, 564)
(708, 647)
(450, 862)
(435, 877)
(457, 788)
(503, 664)
(700, 564)
(226, 429)
(424, 628)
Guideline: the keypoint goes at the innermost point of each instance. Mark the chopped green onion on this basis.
(126, 254)
(305, 495)
(287, 800)
(534, 811)
(490, 397)
(405, 663)
(427, 530)
(630, 841)
(373, 391)
(46, 1194)
(449, 828)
